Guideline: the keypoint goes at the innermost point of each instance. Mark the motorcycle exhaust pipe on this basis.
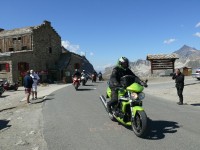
(103, 99)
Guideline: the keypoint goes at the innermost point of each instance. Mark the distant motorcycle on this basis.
(76, 82)
(84, 79)
(100, 77)
(7, 86)
(94, 78)
(2, 90)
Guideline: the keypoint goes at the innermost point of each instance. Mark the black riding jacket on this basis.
(77, 73)
(179, 79)
(116, 75)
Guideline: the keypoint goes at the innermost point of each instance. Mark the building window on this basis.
(24, 47)
(50, 50)
(14, 39)
(11, 49)
(0, 51)
(23, 66)
(19, 38)
(5, 67)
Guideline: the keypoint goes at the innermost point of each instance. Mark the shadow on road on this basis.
(40, 100)
(90, 85)
(158, 129)
(3, 96)
(7, 109)
(195, 104)
(4, 124)
(192, 83)
(84, 89)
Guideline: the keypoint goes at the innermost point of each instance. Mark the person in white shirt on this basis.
(35, 78)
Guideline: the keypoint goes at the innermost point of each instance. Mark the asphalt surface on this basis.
(75, 120)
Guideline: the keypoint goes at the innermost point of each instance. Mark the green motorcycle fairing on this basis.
(135, 87)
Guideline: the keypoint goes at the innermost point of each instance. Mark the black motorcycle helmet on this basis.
(123, 62)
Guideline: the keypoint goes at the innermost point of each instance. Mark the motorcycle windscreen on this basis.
(135, 87)
(120, 92)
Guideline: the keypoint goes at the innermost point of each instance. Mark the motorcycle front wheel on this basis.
(139, 124)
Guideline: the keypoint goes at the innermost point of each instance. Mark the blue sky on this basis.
(105, 30)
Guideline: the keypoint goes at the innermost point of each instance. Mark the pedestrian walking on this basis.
(179, 80)
(35, 78)
(28, 81)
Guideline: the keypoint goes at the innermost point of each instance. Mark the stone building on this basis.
(70, 61)
(37, 47)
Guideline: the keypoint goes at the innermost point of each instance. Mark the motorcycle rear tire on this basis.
(76, 86)
(139, 124)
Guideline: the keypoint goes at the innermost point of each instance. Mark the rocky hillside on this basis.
(188, 57)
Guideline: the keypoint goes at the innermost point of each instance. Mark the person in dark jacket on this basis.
(76, 73)
(28, 81)
(119, 71)
(179, 80)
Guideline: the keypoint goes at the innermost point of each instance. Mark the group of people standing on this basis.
(30, 84)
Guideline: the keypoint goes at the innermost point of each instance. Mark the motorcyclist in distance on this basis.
(100, 76)
(121, 69)
(76, 73)
(83, 73)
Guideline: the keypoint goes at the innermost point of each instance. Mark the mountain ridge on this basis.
(188, 57)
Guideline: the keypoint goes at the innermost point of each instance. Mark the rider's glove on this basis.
(143, 84)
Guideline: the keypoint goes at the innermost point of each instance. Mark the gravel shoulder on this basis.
(21, 123)
(164, 87)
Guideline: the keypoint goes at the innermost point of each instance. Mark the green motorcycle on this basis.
(129, 109)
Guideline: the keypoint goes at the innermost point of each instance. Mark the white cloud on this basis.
(197, 25)
(197, 34)
(169, 41)
(70, 47)
(91, 54)
(82, 53)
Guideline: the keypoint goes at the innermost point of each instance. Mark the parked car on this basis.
(196, 74)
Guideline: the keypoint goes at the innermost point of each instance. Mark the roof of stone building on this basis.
(162, 56)
(23, 30)
(17, 31)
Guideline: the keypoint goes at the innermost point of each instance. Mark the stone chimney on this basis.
(1, 29)
(45, 22)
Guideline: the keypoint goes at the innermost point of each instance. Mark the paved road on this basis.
(77, 120)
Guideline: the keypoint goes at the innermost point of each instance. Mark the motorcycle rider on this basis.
(84, 75)
(76, 73)
(100, 75)
(94, 76)
(119, 71)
